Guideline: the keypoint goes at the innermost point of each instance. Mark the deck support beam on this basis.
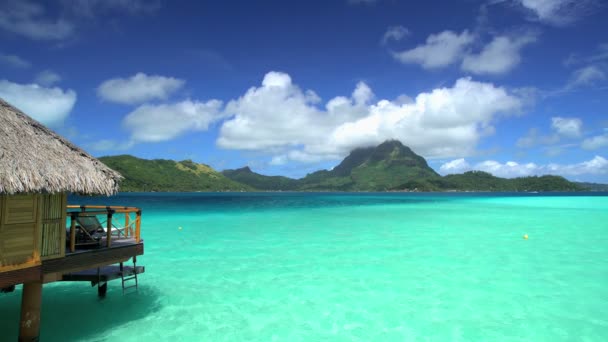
(31, 301)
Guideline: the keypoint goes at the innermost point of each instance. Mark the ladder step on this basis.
(130, 277)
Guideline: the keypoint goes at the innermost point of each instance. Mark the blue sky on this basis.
(513, 87)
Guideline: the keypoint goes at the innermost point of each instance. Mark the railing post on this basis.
(72, 233)
(127, 218)
(137, 226)
(109, 229)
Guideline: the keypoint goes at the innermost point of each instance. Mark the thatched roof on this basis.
(35, 159)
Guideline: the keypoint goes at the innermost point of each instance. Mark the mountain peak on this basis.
(392, 143)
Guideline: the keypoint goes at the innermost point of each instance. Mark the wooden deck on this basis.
(80, 260)
(116, 243)
(68, 252)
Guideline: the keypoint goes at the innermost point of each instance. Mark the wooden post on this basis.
(127, 228)
(72, 234)
(138, 226)
(31, 300)
(109, 229)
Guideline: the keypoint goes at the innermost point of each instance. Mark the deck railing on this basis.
(131, 228)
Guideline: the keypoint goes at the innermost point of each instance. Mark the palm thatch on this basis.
(35, 159)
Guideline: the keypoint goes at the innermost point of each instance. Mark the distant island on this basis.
(390, 166)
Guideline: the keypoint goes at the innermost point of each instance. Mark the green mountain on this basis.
(244, 175)
(169, 175)
(483, 181)
(388, 166)
(392, 166)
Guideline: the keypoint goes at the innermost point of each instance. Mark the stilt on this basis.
(102, 289)
(31, 300)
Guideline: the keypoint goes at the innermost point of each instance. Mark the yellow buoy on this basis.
(525, 236)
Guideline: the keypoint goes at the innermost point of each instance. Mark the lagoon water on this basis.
(348, 267)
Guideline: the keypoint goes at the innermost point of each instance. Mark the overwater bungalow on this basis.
(42, 238)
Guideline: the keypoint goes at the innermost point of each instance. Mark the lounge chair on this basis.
(91, 226)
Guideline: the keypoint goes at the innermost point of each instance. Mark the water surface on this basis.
(348, 267)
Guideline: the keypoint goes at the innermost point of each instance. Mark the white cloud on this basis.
(586, 76)
(138, 88)
(597, 165)
(14, 61)
(459, 165)
(281, 119)
(559, 12)
(567, 127)
(154, 123)
(275, 115)
(47, 105)
(595, 142)
(395, 33)
(29, 19)
(501, 55)
(47, 78)
(440, 50)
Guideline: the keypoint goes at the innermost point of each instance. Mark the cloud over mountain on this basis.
(287, 122)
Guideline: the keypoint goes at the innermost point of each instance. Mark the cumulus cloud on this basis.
(138, 88)
(596, 166)
(281, 119)
(30, 20)
(395, 33)
(567, 127)
(501, 55)
(154, 123)
(440, 50)
(595, 142)
(559, 12)
(14, 61)
(47, 78)
(47, 105)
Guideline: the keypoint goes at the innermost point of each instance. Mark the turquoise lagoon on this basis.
(348, 267)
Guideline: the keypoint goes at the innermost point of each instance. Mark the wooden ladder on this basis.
(129, 278)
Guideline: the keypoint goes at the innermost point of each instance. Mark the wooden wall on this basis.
(32, 228)
(52, 219)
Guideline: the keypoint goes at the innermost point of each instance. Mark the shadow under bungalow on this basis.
(42, 238)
